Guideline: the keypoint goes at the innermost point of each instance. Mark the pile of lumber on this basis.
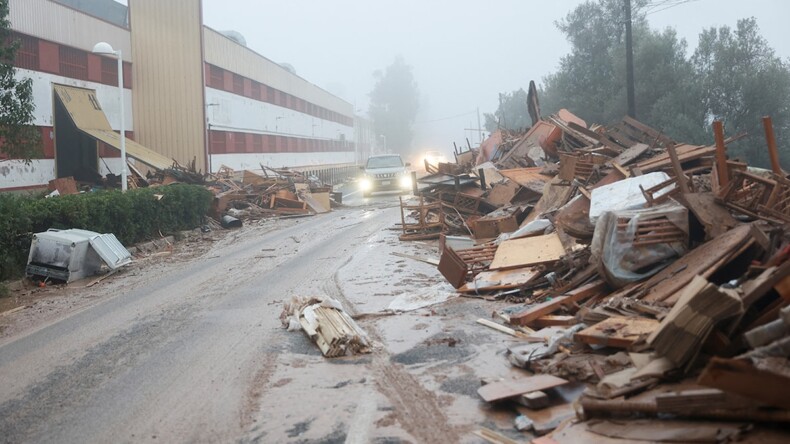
(328, 325)
(641, 261)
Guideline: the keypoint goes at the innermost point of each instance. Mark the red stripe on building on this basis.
(232, 142)
(224, 80)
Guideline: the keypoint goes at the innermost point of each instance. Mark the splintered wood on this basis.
(329, 326)
(687, 326)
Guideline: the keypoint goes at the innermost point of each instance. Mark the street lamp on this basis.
(104, 48)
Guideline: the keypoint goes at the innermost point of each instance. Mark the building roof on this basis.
(107, 10)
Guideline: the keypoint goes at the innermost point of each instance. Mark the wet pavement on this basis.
(189, 347)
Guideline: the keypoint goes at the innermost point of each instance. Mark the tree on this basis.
(591, 81)
(394, 103)
(511, 114)
(19, 139)
(743, 80)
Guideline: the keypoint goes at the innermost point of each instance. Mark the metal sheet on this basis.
(113, 253)
(133, 149)
(87, 114)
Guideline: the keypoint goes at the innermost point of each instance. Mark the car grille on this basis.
(386, 175)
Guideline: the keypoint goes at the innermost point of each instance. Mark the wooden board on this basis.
(631, 154)
(685, 153)
(702, 260)
(500, 280)
(528, 251)
(714, 217)
(502, 193)
(617, 331)
(527, 178)
(537, 311)
(500, 390)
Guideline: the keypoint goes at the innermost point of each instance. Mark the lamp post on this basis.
(104, 48)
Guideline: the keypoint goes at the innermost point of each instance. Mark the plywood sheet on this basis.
(527, 178)
(500, 280)
(497, 391)
(617, 331)
(528, 251)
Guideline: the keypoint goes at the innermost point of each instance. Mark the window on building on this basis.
(256, 90)
(218, 142)
(239, 143)
(257, 143)
(73, 63)
(238, 84)
(216, 77)
(109, 71)
(27, 54)
(269, 94)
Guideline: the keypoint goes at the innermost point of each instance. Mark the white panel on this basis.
(17, 174)
(57, 23)
(253, 161)
(231, 112)
(227, 54)
(110, 165)
(107, 95)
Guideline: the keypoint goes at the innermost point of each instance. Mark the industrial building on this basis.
(191, 94)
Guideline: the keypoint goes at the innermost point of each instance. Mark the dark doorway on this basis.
(76, 153)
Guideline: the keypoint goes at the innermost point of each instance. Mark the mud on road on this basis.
(187, 346)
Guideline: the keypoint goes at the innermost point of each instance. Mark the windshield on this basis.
(384, 162)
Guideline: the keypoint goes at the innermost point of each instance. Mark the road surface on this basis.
(190, 347)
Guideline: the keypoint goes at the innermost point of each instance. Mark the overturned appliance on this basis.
(70, 255)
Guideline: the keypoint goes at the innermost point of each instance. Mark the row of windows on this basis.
(227, 142)
(219, 78)
(41, 55)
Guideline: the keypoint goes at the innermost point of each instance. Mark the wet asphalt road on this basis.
(191, 348)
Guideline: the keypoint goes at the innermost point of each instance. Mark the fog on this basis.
(463, 52)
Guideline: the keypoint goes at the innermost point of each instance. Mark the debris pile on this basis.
(654, 272)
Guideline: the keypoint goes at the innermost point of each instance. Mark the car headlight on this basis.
(405, 181)
(365, 184)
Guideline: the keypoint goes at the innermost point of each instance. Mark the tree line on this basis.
(733, 75)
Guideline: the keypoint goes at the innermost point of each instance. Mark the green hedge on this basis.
(134, 216)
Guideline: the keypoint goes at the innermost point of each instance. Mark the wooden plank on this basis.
(555, 321)
(714, 217)
(528, 251)
(537, 311)
(631, 154)
(500, 280)
(685, 153)
(679, 174)
(501, 390)
(501, 328)
(617, 331)
(493, 437)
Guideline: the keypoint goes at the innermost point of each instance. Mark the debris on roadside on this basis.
(70, 255)
(327, 324)
(645, 264)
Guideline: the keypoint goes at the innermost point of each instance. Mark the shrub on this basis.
(134, 216)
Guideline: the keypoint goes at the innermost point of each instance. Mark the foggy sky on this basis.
(463, 52)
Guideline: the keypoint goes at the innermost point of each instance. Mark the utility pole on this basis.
(479, 128)
(629, 60)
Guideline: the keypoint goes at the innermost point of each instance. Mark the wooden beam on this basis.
(679, 174)
(721, 154)
(545, 308)
(772, 152)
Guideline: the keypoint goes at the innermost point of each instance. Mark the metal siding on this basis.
(57, 23)
(225, 53)
(168, 69)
